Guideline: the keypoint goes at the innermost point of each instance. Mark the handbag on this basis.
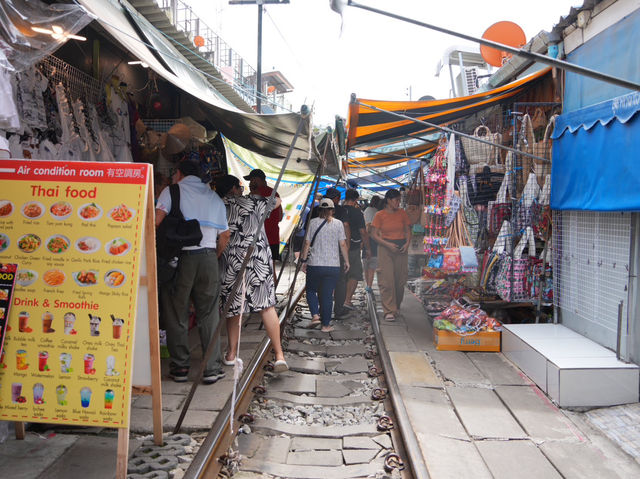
(526, 142)
(499, 210)
(477, 152)
(415, 196)
(175, 233)
(541, 212)
(543, 150)
(470, 214)
(525, 204)
(539, 119)
(518, 277)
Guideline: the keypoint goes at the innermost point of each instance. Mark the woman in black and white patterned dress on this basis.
(243, 215)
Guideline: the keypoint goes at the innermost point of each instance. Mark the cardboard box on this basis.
(481, 341)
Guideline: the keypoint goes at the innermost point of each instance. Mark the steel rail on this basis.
(205, 464)
(411, 445)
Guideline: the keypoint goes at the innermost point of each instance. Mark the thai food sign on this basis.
(75, 230)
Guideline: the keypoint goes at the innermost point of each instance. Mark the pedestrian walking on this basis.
(196, 276)
(258, 186)
(390, 228)
(359, 242)
(370, 264)
(320, 256)
(244, 213)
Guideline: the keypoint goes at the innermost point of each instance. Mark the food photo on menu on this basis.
(121, 213)
(90, 212)
(61, 210)
(6, 208)
(33, 210)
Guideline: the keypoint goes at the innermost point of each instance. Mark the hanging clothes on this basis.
(121, 132)
(9, 118)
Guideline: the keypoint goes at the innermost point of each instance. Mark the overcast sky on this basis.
(375, 57)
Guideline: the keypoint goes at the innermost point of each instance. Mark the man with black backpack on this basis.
(196, 230)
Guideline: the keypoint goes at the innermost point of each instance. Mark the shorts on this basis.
(275, 251)
(297, 243)
(371, 263)
(355, 265)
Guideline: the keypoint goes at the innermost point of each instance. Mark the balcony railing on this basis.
(234, 69)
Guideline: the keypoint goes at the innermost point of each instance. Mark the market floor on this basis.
(477, 415)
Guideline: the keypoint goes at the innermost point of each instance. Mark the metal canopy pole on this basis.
(304, 115)
(516, 51)
(449, 130)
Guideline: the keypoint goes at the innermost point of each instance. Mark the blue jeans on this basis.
(321, 281)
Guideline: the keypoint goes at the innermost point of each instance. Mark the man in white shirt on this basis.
(197, 276)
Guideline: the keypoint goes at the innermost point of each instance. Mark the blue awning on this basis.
(595, 157)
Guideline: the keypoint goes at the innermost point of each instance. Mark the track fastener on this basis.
(385, 423)
(246, 418)
(392, 461)
(374, 372)
(378, 394)
(370, 354)
(259, 389)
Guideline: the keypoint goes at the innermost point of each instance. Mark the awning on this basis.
(376, 158)
(268, 135)
(372, 127)
(595, 157)
(384, 176)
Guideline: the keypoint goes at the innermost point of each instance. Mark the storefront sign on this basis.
(76, 231)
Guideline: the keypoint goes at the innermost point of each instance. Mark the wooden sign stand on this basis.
(155, 388)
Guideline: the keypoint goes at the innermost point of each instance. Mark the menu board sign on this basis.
(75, 229)
(7, 281)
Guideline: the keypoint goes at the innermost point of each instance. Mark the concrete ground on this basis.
(475, 415)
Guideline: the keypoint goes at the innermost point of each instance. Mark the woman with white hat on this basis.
(326, 240)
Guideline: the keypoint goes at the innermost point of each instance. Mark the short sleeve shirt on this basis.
(392, 226)
(355, 219)
(326, 247)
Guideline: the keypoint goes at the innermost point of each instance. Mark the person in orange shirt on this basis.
(390, 229)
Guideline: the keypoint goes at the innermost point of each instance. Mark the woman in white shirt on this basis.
(321, 261)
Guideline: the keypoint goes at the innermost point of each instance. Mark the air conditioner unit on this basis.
(467, 82)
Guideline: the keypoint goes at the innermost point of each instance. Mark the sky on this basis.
(327, 58)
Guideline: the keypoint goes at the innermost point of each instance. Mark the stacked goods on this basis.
(465, 320)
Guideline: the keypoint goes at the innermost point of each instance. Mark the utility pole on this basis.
(260, 3)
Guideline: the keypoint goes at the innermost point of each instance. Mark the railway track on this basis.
(335, 413)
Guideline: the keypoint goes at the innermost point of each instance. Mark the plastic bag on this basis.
(20, 46)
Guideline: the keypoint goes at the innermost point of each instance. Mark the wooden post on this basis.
(152, 299)
(123, 453)
(19, 430)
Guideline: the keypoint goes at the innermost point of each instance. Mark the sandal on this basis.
(389, 317)
(315, 323)
(328, 329)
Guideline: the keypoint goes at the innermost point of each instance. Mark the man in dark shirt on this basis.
(359, 239)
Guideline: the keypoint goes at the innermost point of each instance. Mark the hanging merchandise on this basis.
(436, 239)
(543, 150)
(470, 214)
(499, 210)
(451, 168)
(462, 164)
(71, 143)
(526, 143)
(103, 149)
(494, 258)
(541, 211)
(90, 148)
(518, 278)
(415, 200)
(478, 152)
(9, 116)
(118, 108)
(524, 207)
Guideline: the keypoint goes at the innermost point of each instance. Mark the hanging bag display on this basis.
(543, 149)
(500, 209)
(526, 142)
(525, 204)
(541, 211)
(478, 152)
(470, 214)
(517, 276)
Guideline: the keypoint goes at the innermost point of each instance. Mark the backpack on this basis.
(175, 232)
